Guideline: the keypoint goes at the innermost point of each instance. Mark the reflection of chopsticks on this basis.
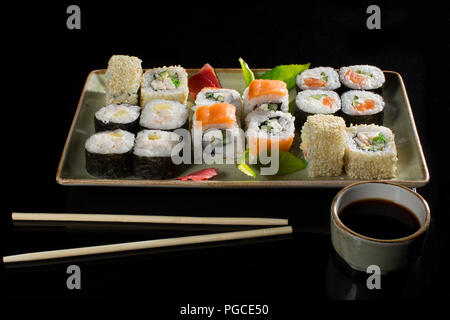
(148, 244)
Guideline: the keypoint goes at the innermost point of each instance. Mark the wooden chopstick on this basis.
(21, 216)
(148, 244)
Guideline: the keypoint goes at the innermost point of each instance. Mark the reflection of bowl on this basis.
(345, 283)
(360, 251)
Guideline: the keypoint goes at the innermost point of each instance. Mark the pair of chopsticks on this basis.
(282, 228)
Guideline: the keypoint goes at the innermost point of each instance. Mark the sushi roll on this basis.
(266, 128)
(370, 152)
(108, 154)
(152, 154)
(362, 107)
(323, 145)
(324, 78)
(362, 77)
(117, 116)
(123, 79)
(216, 131)
(310, 102)
(164, 115)
(266, 95)
(209, 95)
(168, 83)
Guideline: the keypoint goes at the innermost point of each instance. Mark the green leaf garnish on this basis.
(245, 168)
(246, 72)
(286, 73)
(288, 163)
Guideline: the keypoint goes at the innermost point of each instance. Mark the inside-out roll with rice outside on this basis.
(323, 145)
(108, 154)
(363, 77)
(123, 79)
(310, 102)
(266, 95)
(216, 132)
(164, 115)
(168, 83)
(370, 152)
(117, 116)
(362, 107)
(320, 78)
(209, 95)
(265, 130)
(152, 154)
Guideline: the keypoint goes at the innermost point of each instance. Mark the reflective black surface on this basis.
(282, 272)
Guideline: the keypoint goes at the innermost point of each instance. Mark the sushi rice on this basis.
(164, 115)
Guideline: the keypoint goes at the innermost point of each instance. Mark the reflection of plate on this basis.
(412, 168)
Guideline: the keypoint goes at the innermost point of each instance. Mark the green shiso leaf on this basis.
(286, 73)
(288, 163)
(246, 72)
(245, 168)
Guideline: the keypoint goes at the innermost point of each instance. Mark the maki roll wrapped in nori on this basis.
(362, 107)
(310, 102)
(108, 154)
(152, 154)
(117, 116)
(164, 115)
(362, 77)
(320, 78)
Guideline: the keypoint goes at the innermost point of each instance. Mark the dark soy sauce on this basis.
(379, 219)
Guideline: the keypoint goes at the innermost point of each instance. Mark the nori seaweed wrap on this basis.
(117, 116)
(152, 154)
(108, 154)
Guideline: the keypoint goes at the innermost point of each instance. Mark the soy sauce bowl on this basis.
(360, 251)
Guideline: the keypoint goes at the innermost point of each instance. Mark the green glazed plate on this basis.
(412, 168)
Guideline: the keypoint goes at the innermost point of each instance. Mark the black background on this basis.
(45, 69)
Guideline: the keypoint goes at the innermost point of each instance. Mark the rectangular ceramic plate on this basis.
(412, 169)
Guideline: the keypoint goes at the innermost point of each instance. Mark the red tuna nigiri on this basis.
(206, 77)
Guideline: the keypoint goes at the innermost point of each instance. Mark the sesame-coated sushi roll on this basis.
(108, 154)
(216, 131)
(362, 77)
(209, 95)
(265, 129)
(123, 79)
(117, 116)
(310, 102)
(323, 145)
(168, 83)
(324, 78)
(362, 107)
(152, 154)
(370, 152)
(164, 115)
(266, 95)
